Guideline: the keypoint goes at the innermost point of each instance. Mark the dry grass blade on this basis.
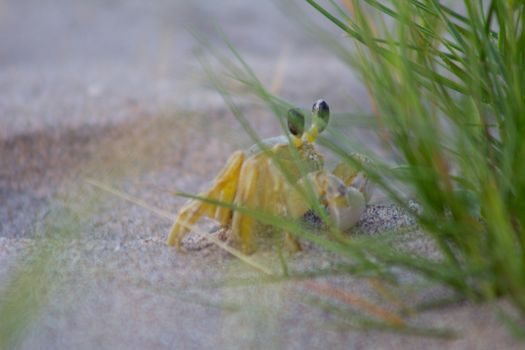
(387, 294)
(164, 214)
(134, 200)
(355, 301)
(279, 72)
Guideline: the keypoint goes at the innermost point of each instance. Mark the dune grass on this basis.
(447, 86)
(449, 92)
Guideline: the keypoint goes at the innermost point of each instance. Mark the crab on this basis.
(272, 177)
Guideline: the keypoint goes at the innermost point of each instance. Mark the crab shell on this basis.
(263, 179)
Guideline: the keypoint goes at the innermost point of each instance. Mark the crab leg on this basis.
(279, 189)
(243, 225)
(224, 188)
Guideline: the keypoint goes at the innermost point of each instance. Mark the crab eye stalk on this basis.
(320, 117)
(321, 114)
(295, 122)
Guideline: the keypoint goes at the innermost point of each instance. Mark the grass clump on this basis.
(447, 85)
(448, 88)
(449, 91)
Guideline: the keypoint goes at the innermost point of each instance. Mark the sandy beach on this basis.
(112, 92)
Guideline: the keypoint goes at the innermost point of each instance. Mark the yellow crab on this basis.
(255, 179)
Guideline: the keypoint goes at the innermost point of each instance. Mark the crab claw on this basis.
(344, 204)
(346, 209)
(354, 177)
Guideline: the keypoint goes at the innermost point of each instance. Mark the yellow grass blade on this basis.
(354, 300)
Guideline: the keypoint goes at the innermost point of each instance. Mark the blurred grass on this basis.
(36, 276)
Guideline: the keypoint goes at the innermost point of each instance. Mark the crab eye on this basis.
(295, 122)
(321, 114)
